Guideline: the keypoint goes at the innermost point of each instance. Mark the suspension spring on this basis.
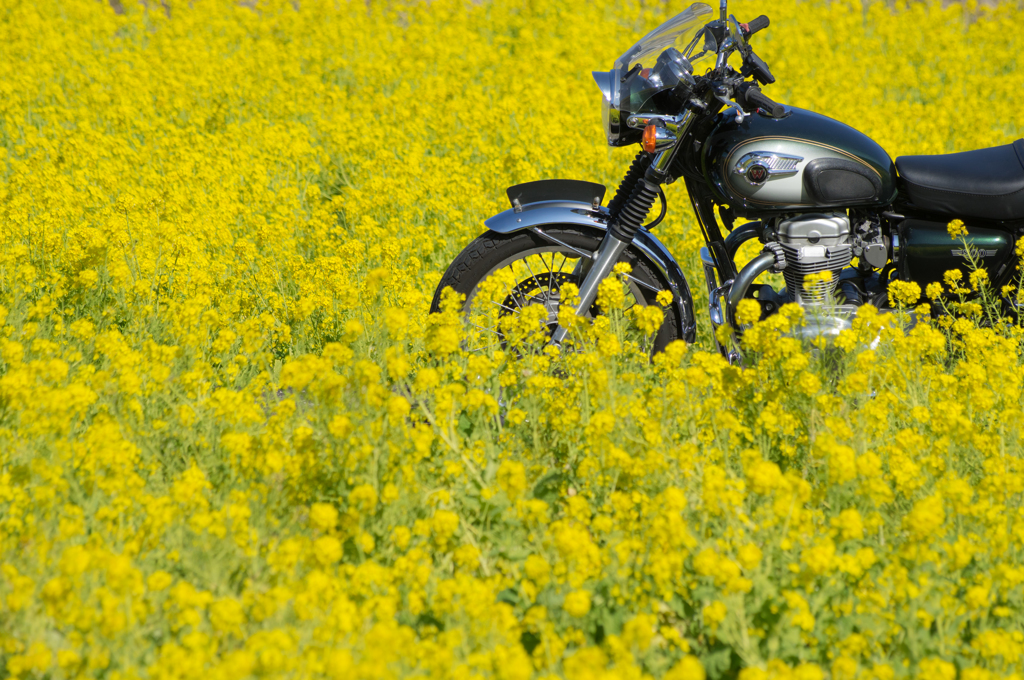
(635, 173)
(629, 220)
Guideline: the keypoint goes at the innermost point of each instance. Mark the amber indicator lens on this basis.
(650, 138)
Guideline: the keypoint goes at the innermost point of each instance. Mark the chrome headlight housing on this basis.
(608, 82)
(623, 98)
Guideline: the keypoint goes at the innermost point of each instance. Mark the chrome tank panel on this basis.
(733, 149)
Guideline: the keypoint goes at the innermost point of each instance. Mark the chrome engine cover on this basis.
(814, 243)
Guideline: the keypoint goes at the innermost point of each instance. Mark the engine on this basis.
(814, 243)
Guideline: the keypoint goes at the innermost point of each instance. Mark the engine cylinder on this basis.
(814, 243)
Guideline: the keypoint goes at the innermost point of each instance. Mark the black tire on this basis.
(491, 250)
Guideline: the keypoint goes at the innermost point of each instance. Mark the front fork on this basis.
(607, 255)
(622, 229)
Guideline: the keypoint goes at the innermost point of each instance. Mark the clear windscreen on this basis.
(678, 32)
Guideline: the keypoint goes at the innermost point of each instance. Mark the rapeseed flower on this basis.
(233, 444)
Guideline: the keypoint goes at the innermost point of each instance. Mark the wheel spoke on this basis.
(488, 330)
(551, 282)
(507, 309)
(481, 349)
(509, 296)
(527, 264)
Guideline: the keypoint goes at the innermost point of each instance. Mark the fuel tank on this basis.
(801, 161)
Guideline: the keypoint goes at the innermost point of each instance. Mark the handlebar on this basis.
(754, 98)
(756, 25)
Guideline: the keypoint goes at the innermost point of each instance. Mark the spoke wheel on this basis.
(507, 275)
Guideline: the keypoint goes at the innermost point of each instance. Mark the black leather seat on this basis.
(986, 184)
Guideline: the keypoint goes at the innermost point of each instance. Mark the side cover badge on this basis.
(759, 166)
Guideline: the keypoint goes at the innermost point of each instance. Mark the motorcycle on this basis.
(817, 192)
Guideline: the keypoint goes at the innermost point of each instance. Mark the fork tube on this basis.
(607, 255)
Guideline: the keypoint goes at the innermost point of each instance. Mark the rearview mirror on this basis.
(710, 43)
(736, 32)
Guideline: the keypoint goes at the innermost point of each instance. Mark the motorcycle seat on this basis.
(984, 184)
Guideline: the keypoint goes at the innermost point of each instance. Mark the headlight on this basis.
(612, 112)
(608, 81)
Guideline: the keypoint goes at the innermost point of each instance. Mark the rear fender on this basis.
(558, 212)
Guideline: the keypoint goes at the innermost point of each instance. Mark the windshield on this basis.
(678, 32)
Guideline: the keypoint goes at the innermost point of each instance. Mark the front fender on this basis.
(548, 212)
(561, 212)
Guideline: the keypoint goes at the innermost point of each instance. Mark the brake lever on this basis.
(741, 115)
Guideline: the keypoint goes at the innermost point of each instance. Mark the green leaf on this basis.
(549, 487)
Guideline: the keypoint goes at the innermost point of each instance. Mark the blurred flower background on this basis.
(233, 444)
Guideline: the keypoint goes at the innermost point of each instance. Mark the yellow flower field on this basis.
(233, 444)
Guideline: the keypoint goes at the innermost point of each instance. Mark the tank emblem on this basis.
(759, 166)
(757, 174)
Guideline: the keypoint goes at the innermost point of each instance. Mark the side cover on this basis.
(532, 213)
(926, 251)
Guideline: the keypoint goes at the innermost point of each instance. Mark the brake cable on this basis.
(661, 216)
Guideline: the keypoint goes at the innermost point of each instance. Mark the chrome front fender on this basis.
(551, 213)
(548, 212)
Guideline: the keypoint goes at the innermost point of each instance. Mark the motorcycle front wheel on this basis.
(503, 274)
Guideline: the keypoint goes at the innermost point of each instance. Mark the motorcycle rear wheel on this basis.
(531, 270)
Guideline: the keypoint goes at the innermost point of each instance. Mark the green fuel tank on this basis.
(802, 161)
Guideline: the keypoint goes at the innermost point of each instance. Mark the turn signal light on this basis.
(650, 138)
